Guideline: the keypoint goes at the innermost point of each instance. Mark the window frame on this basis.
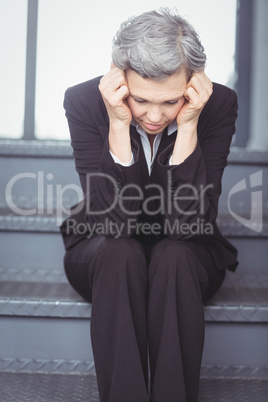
(30, 82)
(243, 69)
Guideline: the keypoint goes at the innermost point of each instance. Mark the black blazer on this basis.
(89, 126)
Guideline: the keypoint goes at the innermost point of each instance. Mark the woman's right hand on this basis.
(114, 90)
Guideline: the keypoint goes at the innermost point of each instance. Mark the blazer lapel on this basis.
(144, 168)
(166, 140)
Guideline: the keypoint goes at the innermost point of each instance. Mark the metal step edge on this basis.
(48, 387)
(82, 310)
(50, 224)
(39, 299)
(63, 149)
(57, 275)
(76, 367)
(44, 308)
(36, 148)
(231, 371)
(56, 366)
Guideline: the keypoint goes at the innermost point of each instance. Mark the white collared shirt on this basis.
(147, 147)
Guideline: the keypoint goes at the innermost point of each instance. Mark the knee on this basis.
(119, 255)
(177, 251)
(178, 258)
(120, 247)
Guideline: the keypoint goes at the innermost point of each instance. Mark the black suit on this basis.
(137, 280)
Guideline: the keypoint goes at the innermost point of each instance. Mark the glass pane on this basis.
(74, 45)
(13, 29)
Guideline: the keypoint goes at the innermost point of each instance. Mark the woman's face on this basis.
(154, 105)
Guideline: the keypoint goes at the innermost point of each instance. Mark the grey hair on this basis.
(157, 44)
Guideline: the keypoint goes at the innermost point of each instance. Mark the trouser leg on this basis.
(177, 282)
(117, 277)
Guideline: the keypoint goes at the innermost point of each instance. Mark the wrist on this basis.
(185, 143)
(119, 142)
(119, 125)
(189, 128)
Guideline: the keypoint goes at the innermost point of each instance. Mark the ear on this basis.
(113, 65)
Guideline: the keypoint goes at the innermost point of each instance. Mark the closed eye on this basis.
(172, 102)
(139, 100)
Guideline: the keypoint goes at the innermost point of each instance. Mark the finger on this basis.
(208, 82)
(192, 97)
(113, 80)
(202, 78)
(116, 97)
(201, 84)
(197, 82)
(122, 92)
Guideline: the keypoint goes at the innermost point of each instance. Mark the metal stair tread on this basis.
(19, 387)
(87, 367)
(60, 300)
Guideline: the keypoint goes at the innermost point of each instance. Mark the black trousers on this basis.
(145, 302)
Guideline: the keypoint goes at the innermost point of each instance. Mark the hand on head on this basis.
(198, 92)
(114, 90)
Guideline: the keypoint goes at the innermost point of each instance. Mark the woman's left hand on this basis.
(197, 93)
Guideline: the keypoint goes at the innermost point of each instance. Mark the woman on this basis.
(150, 140)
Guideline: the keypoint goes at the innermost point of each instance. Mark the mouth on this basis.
(153, 127)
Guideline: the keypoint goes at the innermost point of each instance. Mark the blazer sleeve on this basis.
(103, 181)
(192, 188)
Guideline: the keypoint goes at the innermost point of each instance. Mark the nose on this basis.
(154, 114)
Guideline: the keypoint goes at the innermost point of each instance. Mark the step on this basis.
(49, 319)
(44, 262)
(242, 299)
(87, 368)
(19, 387)
(39, 246)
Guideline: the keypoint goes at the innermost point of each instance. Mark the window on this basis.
(74, 44)
(13, 23)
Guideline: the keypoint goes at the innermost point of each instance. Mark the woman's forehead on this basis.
(171, 88)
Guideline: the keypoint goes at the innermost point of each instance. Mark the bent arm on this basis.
(192, 188)
(101, 178)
